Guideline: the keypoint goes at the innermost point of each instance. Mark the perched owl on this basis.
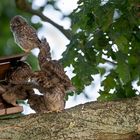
(53, 68)
(52, 79)
(24, 34)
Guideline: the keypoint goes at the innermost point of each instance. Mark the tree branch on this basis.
(114, 120)
(23, 5)
(109, 61)
(59, 27)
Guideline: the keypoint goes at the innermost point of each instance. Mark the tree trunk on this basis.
(115, 120)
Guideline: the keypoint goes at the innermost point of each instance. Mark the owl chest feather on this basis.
(25, 40)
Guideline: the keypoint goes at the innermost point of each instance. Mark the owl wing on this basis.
(55, 68)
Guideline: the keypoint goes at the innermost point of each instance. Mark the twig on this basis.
(109, 61)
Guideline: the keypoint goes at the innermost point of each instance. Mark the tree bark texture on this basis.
(114, 120)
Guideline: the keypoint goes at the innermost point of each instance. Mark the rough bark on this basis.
(115, 120)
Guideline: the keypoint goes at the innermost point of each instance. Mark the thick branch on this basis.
(116, 120)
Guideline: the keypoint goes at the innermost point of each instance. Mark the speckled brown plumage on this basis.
(16, 92)
(16, 85)
(44, 54)
(55, 98)
(24, 34)
(19, 74)
(53, 91)
(44, 80)
(55, 67)
(37, 103)
(52, 67)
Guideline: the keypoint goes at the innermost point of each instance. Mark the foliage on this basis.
(98, 25)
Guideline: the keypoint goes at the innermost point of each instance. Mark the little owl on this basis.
(24, 34)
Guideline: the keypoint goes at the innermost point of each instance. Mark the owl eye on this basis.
(18, 22)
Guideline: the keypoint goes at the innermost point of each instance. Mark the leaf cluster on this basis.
(105, 32)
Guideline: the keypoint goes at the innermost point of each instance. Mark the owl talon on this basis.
(56, 111)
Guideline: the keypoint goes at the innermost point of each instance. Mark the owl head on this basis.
(16, 22)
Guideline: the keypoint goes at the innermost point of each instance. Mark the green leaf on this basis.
(106, 12)
(109, 83)
(105, 96)
(121, 42)
(123, 68)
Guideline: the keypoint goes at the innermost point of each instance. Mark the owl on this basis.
(24, 34)
(52, 68)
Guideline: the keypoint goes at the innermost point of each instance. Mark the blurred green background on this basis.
(7, 11)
